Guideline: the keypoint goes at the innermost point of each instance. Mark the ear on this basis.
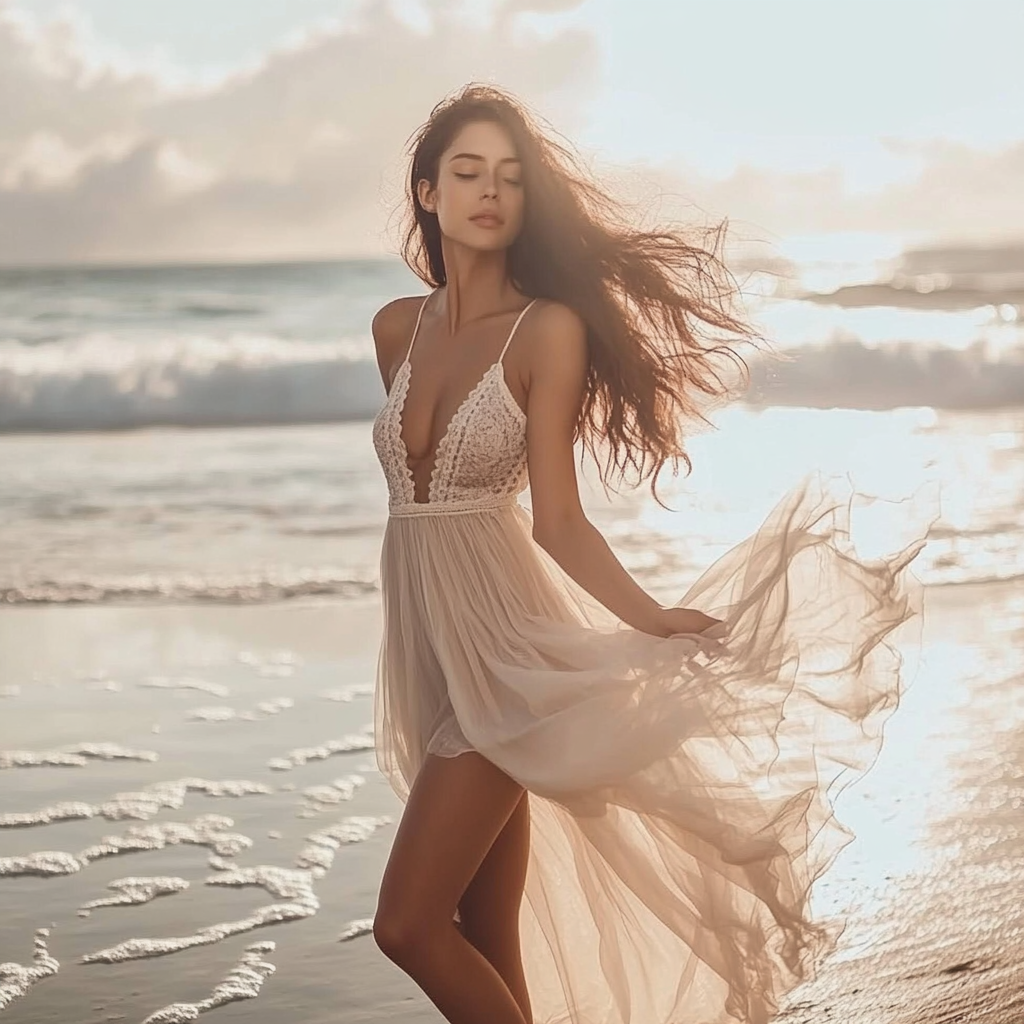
(426, 195)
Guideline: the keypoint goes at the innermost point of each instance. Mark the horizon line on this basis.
(185, 263)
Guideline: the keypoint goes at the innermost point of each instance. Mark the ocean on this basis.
(190, 521)
(202, 433)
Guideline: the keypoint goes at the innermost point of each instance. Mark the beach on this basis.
(141, 678)
(191, 820)
(204, 215)
(928, 887)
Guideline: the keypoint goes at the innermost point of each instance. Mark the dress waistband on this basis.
(451, 508)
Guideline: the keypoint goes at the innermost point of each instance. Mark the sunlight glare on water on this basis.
(972, 475)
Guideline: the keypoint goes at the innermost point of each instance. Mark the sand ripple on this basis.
(317, 798)
(186, 683)
(276, 665)
(360, 926)
(144, 949)
(220, 713)
(16, 979)
(207, 830)
(346, 745)
(348, 693)
(140, 805)
(133, 890)
(75, 756)
(294, 885)
(318, 853)
(243, 982)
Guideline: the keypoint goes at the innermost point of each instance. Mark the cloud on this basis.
(111, 157)
(510, 8)
(970, 192)
(300, 154)
(958, 194)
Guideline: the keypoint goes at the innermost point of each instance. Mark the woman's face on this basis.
(478, 198)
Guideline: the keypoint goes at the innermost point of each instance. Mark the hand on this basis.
(673, 621)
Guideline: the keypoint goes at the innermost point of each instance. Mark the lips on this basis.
(487, 220)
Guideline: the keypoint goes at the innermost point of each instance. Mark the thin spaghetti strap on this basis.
(511, 334)
(416, 329)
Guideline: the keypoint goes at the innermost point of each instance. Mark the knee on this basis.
(402, 937)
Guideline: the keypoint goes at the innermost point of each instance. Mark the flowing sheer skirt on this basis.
(682, 789)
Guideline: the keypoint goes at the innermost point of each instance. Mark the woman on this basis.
(655, 779)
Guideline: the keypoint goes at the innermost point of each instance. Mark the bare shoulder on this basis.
(394, 316)
(557, 340)
(392, 328)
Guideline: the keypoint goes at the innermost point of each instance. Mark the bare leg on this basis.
(489, 909)
(456, 809)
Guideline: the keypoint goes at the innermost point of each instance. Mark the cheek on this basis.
(514, 203)
(451, 193)
(451, 205)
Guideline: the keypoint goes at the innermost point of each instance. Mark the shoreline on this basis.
(927, 887)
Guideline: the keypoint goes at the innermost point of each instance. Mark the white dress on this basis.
(681, 788)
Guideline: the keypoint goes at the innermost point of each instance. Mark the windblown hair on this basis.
(658, 307)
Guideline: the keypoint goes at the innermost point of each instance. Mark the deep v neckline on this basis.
(442, 444)
(439, 448)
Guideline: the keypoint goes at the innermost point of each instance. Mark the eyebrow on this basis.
(476, 156)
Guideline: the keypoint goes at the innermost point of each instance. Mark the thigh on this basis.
(456, 809)
(489, 908)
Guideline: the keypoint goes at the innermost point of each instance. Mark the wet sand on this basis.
(259, 715)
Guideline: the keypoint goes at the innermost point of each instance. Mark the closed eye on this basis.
(470, 177)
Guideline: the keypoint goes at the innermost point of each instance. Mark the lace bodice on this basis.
(481, 458)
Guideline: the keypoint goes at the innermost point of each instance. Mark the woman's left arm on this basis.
(557, 369)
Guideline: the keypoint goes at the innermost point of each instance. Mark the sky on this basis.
(256, 129)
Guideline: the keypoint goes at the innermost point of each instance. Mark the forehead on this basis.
(484, 138)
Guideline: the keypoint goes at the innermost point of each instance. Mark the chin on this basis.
(497, 245)
(486, 245)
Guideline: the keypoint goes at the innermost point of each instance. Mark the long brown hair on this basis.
(658, 304)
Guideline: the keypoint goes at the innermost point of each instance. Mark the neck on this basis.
(477, 284)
